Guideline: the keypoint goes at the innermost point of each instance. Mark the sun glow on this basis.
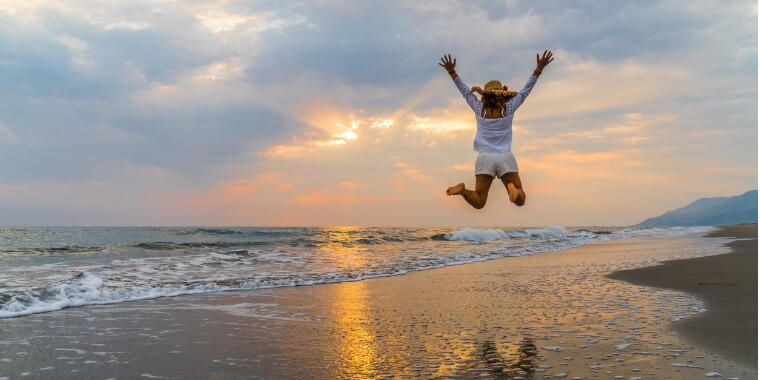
(342, 132)
(348, 134)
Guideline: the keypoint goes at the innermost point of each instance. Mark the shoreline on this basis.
(142, 294)
(728, 285)
(552, 314)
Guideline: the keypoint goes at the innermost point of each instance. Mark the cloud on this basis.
(581, 86)
(459, 167)
(7, 135)
(195, 101)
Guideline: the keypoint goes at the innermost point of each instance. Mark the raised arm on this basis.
(449, 65)
(541, 62)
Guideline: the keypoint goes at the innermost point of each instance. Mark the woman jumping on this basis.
(493, 139)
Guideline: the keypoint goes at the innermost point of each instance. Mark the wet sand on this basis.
(728, 285)
(551, 315)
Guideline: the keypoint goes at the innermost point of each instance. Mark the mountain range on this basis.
(711, 212)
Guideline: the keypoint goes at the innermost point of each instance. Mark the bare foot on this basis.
(456, 189)
(514, 193)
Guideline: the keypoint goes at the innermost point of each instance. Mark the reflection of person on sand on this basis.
(493, 139)
(522, 366)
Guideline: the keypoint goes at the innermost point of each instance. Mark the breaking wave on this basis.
(161, 267)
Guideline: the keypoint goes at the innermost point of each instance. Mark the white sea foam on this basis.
(481, 235)
(30, 289)
(477, 235)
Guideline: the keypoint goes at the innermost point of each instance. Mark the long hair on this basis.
(492, 100)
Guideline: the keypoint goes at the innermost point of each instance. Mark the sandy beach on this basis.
(550, 315)
(727, 283)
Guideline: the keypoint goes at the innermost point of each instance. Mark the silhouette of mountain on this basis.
(711, 212)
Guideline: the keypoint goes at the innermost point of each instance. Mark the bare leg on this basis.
(476, 198)
(514, 188)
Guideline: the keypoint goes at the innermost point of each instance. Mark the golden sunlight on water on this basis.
(357, 340)
(551, 316)
(340, 249)
(357, 343)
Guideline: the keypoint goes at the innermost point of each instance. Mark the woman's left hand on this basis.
(447, 63)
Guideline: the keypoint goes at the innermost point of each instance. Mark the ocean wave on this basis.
(241, 231)
(83, 289)
(87, 289)
(482, 235)
(50, 250)
(169, 245)
(477, 235)
(209, 231)
(49, 287)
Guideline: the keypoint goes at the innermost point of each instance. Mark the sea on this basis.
(44, 269)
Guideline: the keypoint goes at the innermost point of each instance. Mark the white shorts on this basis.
(495, 164)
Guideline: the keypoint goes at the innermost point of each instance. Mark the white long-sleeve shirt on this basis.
(494, 135)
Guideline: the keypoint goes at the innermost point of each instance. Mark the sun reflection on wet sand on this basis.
(357, 341)
(550, 315)
(350, 312)
(554, 316)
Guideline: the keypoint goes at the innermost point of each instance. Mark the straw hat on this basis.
(494, 87)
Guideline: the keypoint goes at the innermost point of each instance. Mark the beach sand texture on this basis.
(728, 285)
(549, 315)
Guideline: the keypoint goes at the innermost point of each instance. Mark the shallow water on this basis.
(48, 269)
(530, 317)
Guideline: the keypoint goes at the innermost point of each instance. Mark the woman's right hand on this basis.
(447, 63)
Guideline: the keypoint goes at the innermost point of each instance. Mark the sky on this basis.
(335, 112)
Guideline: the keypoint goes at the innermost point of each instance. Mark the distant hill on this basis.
(711, 212)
